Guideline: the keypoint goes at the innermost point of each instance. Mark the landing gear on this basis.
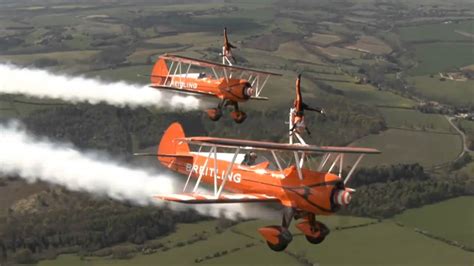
(284, 238)
(314, 231)
(238, 116)
(216, 113)
(323, 232)
(278, 237)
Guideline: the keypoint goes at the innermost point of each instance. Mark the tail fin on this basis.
(159, 72)
(169, 145)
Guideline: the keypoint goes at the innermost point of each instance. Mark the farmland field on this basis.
(366, 244)
(377, 58)
(451, 92)
(437, 32)
(437, 57)
(367, 94)
(407, 146)
(436, 219)
(413, 119)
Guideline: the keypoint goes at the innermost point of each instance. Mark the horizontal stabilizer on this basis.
(194, 198)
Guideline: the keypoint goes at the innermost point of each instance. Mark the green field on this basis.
(449, 91)
(367, 94)
(408, 146)
(371, 244)
(452, 219)
(438, 32)
(437, 57)
(413, 119)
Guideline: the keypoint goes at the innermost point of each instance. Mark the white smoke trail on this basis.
(36, 159)
(42, 84)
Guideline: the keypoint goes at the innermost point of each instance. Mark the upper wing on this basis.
(195, 198)
(210, 64)
(266, 145)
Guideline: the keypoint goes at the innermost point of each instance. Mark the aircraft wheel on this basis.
(285, 238)
(214, 114)
(278, 247)
(324, 231)
(239, 116)
(315, 240)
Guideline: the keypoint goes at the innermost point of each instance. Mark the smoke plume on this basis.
(42, 84)
(35, 159)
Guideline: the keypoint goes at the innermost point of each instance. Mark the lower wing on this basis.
(184, 91)
(195, 198)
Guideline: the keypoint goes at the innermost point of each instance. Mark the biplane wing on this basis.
(210, 64)
(266, 145)
(184, 90)
(200, 93)
(196, 198)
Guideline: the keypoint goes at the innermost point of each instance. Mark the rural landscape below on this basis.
(392, 75)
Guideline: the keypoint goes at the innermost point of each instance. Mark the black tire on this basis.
(324, 232)
(315, 240)
(278, 247)
(216, 114)
(284, 238)
(240, 117)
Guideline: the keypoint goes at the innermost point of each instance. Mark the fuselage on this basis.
(313, 194)
(236, 90)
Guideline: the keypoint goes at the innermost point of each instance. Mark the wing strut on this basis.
(277, 162)
(201, 173)
(348, 177)
(340, 164)
(191, 172)
(298, 168)
(227, 172)
(324, 161)
(338, 157)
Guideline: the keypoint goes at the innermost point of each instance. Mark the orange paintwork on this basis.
(306, 229)
(312, 194)
(231, 89)
(271, 234)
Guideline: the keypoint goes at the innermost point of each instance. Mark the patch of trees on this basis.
(461, 162)
(45, 62)
(344, 122)
(388, 173)
(10, 42)
(270, 42)
(328, 88)
(384, 200)
(76, 220)
(112, 56)
(109, 128)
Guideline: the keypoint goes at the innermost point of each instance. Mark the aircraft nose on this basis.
(342, 197)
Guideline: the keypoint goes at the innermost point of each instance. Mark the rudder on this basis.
(169, 144)
(160, 72)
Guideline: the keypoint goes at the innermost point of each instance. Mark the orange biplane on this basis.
(230, 84)
(304, 192)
